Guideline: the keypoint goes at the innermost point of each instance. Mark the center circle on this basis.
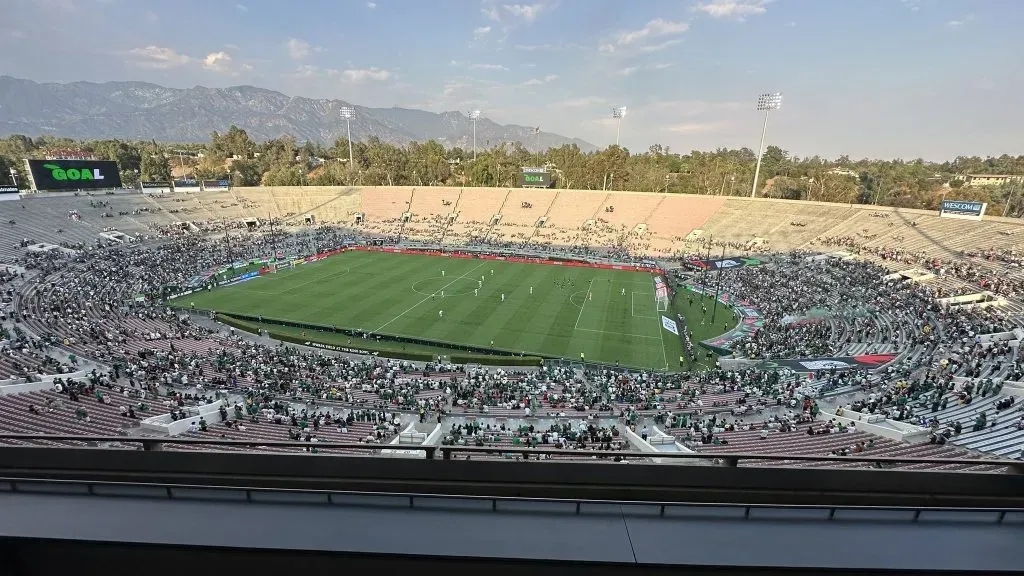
(572, 298)
(451, 287)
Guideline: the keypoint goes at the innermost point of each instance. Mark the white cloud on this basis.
(360, 75)
(546, 47)
(299, 49)
(959, 23)
(638, 41)
(241, 7)
(735, 9)
(539, 81)
(653, 29)
(218, 62)
(630, 70)
(158, 58)
(371, 5)
(660, 47)
(488, 67)
(480, 32)
(528, 12)
(492, 13)
(311, 71)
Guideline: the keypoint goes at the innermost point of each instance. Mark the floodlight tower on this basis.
(618, 113)
(348, 113)
(765, 102)
(474, 115)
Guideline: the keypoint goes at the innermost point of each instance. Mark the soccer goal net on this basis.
(661, 294)
(662, 302)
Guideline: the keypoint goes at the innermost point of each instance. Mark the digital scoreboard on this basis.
(63, 175)
(536, 178)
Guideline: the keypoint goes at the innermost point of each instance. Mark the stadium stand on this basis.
(87, 351)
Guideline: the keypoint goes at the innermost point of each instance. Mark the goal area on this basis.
(661, 295)
(662, 300)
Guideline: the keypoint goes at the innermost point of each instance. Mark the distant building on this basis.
(844, 172)
(989, 179)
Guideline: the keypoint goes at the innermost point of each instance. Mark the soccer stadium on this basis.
(305, 322)
(499, 288)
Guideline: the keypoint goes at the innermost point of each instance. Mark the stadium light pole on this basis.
(618, 114)
(347, 112)
(474, 115)
(766, 103)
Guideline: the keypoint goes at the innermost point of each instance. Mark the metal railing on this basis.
(433, 452)
(414, 500)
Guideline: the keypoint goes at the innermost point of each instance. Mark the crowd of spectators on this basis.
(104, 304)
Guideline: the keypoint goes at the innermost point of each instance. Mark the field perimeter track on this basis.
(609, 315)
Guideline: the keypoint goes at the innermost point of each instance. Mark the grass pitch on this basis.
(608, 315)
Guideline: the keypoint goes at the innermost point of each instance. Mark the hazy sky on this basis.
(909, 78)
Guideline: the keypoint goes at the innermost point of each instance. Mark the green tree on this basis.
(155, 167)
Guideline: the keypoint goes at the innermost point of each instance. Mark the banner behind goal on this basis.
(661, 295)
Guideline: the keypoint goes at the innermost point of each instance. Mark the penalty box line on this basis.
(619, 333)
(427, 297)
(632, 305)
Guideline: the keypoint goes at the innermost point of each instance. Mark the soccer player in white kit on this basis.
(440, 313)
(502, 297)
(442, 293)
(442, 273)
(623, 291)
(476, 292)
(531, 289)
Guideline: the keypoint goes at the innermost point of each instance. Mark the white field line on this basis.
(427, 297)
(632, 306)
(586, 297)
(319, 279)
(618, 333)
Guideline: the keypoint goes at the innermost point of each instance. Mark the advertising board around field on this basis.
(861, 362)
(967, 210)
(9, 193)
(210, 185)
(68, 175)
(536, 178)
(155, 187)
(722, 264)
(187, 186)
(670, 325)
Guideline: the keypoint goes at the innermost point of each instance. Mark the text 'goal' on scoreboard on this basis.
(536, 178)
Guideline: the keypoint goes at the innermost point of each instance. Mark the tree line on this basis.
(234, 156)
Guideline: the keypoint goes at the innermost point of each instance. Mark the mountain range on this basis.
(144, 111)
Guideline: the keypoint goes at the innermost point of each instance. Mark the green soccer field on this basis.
(608, 315)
